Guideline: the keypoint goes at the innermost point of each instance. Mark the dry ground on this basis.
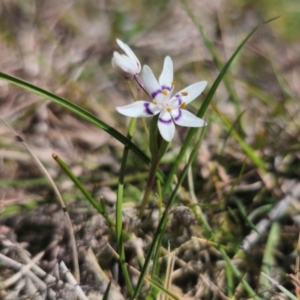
(66, 47)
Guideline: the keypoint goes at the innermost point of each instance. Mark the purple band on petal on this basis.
(179, 115)
(164, 87)
(148, 110)
(179, 99)
(154, 94)
(165, 121)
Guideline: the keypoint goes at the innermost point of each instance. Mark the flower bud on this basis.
(126, 65)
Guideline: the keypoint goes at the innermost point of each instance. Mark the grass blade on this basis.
(164, 219)
(203, 108)
(119, 209)
(209, 45)
(88, 196)
(78, 111)
(248, 149)
(105, 296)
(282, 288)
(269, 261)
(244, 214)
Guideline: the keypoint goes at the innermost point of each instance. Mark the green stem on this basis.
(119, 205)
(149, 185)
(88, 196)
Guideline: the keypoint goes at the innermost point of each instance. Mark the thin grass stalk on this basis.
(279, 286)
(148, 188)
(209, 45)
(60, 200)
(230, 282)
(269, 260)
(119, 205)
(248, 149)
(243, 212)
(163, 221)
(233, 125)
(232, 268)
(155, 267)
(195, 207)
(146, 278)
(169, 271)
(88, 196)
(203, 108)
(106, 294)
(237, 274)
(297, 266)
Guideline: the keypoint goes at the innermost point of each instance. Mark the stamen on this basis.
(184, 93)
(165, 92)
(154, 101)
(183, 105)
(172, 83)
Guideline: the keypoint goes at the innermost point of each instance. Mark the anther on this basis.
(184, 93)
(154, 102)
(169, 109)
(183, 105)
(173, 83)
(165, 92)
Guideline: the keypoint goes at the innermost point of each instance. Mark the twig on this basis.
(71, 280)
(24, 270)
(47, 278)
(265, 223)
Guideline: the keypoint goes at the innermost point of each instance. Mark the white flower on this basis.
(170, 108)
(126, 65)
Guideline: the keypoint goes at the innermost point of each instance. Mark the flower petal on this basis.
(139, 109)
(124, 65)
(166, 77)
(183, 117)
(166, 126)
(176, 101)
(151, 85)
(191, 92)
(130, 53)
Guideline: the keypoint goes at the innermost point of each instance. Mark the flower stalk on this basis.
(158, 147)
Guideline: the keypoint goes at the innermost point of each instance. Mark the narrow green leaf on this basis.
(164, 219)
(203, 108)
(212, 50)
(119, 209)
(83, 190)
(248, 149)
(238, 275)
(269, 260)
(279, 286)
(244, 214)
(77, 110)
(105, 296)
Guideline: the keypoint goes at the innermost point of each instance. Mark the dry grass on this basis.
(66, 47)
